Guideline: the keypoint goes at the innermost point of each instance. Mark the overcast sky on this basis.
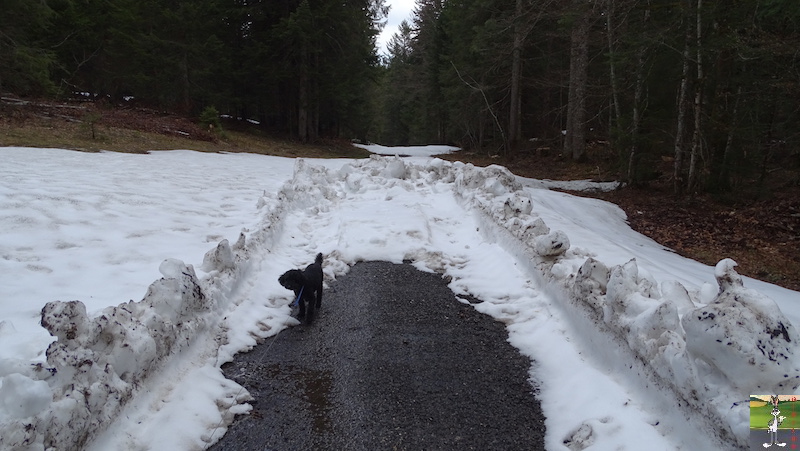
(400, 10)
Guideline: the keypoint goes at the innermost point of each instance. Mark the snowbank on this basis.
(711, 356)
(413, 151)
(98, 364)
(704, 352)
(573, 185)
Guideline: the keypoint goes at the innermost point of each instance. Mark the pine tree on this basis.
(25, 59)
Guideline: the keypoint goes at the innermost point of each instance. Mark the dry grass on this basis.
(78, 136)
(91, 127)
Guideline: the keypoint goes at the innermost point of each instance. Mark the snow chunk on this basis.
(309, 185)
(171, 268)
(395, 169)
(551, 245)
(65, 320)
(517, 205)
(580, 438)
(527, 229)
(727, 277)
(745, 335)
(10, 366)
(707, 293)
(590, 283)
(494, 180)
(494, 186)
(178, 295)
(218, 259)
(624, 297)
(677, 294)
(24, 397)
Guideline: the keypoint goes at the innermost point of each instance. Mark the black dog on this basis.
(305, 284)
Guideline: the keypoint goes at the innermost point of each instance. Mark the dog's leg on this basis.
(302, 305)
(319, 296)
(310, 306)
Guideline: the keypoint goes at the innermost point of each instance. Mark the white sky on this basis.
(400, 11)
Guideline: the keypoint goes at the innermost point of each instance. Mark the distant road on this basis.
(393, 361)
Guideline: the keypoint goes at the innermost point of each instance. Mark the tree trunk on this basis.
(514, 122)
(615, 110)
(683, 108)
(302, 109)
(186, 98)
(697, 144)
(724, 177)
(575, 140)
(638, 108)
(302, 100)
(313, 103)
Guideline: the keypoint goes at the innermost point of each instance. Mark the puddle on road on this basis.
(315, 387)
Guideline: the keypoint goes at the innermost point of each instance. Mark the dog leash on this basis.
(297, 301)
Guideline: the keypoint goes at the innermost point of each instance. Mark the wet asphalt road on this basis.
(392, 362)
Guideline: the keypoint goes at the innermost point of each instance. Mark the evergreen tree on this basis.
(25, 57)
(712, 85)
(397, 111)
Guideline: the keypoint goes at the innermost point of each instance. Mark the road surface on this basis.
(392, 362)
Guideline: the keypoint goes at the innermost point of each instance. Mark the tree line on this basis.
(296, 66)
(711, 86)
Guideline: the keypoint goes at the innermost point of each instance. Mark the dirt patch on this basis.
(89, 126)
(761, 237)
(20, 112)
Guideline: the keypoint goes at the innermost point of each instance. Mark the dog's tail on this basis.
(319, 259)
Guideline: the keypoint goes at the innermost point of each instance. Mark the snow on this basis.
(410, 151)
(128, 280)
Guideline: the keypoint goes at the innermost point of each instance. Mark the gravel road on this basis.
(392, 362)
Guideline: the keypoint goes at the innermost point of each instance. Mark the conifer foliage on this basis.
(711, 87)
(300, 67)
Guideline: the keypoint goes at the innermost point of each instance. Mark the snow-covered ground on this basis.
(408, 151)
(174, 257)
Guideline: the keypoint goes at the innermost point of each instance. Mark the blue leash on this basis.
(297, 301)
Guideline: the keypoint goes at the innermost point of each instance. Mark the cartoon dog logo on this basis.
(773, 424)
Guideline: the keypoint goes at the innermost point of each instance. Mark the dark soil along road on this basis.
(392, 361)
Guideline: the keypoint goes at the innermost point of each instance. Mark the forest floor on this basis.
(759, 228)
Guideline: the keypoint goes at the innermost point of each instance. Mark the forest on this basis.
(709, 89)
(302, 67)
